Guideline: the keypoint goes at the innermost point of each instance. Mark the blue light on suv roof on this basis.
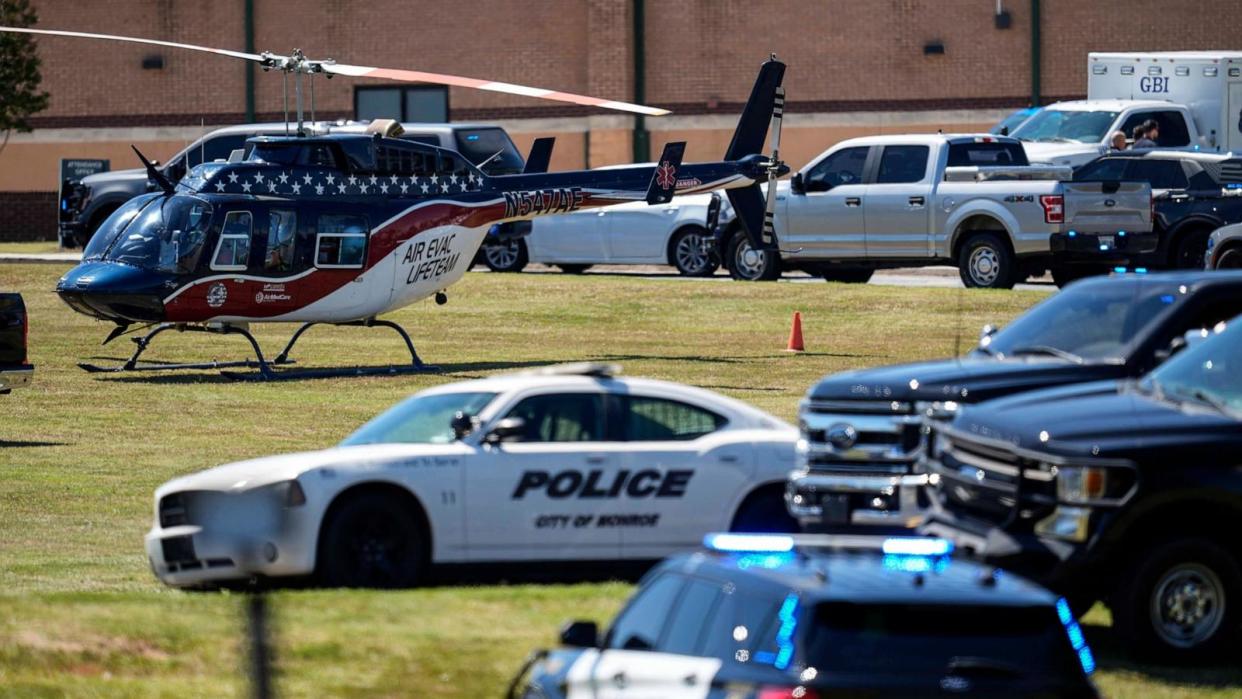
(1076, 639)
(749, 543)
(784, 636)
(915, 546)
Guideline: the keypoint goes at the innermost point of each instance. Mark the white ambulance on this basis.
(1195, 97)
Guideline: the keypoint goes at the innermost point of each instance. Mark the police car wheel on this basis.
(764, 513)
(749, 264)
(507, 256)
(1179, 603)
(985, 262)
(1191, 249)
(371, 540)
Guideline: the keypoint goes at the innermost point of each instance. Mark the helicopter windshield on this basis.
(111, 228)
(167, 236)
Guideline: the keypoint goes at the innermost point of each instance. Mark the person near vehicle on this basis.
(1145, 134)
(1119, 140)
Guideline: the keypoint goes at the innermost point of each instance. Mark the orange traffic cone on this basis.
(795, 335)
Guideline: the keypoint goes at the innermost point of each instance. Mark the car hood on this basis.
(114, 176)
(1061, 153)
(255, 473)
(969, 379)
(1103, 419)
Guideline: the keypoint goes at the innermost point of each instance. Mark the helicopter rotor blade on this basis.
(135, 40)
(333, 68)
(418, 76)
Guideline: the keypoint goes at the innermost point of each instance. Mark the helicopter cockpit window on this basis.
(276, 153)
(233, 250)
(342, 242)
(281, 235)
(166, 237)
(318, 155)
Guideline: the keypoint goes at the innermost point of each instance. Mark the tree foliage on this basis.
(20, 96)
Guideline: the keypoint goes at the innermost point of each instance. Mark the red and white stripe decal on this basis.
(134, 40)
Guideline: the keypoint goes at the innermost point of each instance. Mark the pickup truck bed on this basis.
(15, 371)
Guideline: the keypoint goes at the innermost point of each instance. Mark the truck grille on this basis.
(173, 512)
(862, 437)
(988, 480)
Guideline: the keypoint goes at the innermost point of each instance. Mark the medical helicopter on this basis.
(341, 228)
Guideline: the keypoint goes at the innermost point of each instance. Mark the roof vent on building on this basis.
(933, 48)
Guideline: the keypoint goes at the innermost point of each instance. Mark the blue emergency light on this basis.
(916, 546)
(749, 543)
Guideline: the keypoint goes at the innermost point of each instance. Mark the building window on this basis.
(426, 103)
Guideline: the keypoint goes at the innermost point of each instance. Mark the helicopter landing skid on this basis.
(416, 364)
(133, 364)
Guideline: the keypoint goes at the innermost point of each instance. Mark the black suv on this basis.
(861, 430)
(780, 617)
(1193, 194)
(1128, 492)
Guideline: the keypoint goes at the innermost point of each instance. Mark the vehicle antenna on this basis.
(285, 77)
(202, 140)
(312, 91)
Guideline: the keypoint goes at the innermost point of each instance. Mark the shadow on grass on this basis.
(198, 375)
(6, 443)
(1110, 655)
(725, 360)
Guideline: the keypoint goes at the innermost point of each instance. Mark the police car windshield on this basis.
(166, 236)
(1209, 373)
(421, 419)
(1066, 126)
(1088, 322)
(1005, 643)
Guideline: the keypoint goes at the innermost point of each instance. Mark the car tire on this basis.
(506, 256)
(764, 512)
(985, 262)
(371, 540)
(690, 252)
(574, 269)
(1230, 259)
(1190, 250)
(1063, 275)
(750, 265)
(845, 275)
(1179, 602)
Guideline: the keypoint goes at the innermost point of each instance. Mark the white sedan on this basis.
(675, 234)
(567, 463)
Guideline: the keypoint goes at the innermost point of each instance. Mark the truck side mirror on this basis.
(509, 429)
(580, 634)
(797, 185)
(462, 424)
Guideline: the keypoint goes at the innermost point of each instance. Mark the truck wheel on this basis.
(845, 275)
(985, 262)
(1191, 249)
(507, 256)
(690, 251)
(763, 512)
(1065, 274)
(1179, 602)
(372, 540)
(574, 269)
(750, 265)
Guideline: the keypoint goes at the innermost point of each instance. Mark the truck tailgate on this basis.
(1097, 207)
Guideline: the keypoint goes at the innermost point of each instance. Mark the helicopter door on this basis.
(341, 253)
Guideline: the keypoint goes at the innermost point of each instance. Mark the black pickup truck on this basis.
(1193, 194)
(861, 430)
(15, 372)
(1128, 492)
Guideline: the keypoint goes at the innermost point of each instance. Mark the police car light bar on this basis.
(917, 546)
(784, 543)
(749, 543)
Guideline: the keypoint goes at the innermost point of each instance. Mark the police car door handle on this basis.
(853, 201)
(596, 459)
(690, 680)
(728, 458)
(619, 679)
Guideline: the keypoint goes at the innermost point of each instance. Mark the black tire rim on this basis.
(379, 551)
(691, 254)
(748, 262)
(502, 255)
(1187, 605)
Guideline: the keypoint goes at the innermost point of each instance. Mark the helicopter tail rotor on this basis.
(763, 113)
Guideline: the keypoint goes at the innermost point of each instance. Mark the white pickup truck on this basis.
(969, 200)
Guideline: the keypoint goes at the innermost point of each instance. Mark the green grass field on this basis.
(81, 614)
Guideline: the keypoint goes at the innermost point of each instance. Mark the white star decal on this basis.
(384, 188)
(297, 188)
(219, 186)
(232, 177)
(246, 187)
(353, 180)
(394, 179)
(331, 179)
(258, 177)
(342, 186)
(318, 189)
(306, 178)
(374, 179)
(444, 186)
(453, 179)
(362, 188)
(404, 187)
(284, 178)
(424, 186)
(271, 185)
(434, 179)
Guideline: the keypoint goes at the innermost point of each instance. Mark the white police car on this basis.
(566, 463)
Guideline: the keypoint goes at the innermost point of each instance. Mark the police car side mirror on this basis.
(462, 424)
(510, 429)
(797, 184)
(580, 634)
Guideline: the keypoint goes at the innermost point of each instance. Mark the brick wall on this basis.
(27, 216)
